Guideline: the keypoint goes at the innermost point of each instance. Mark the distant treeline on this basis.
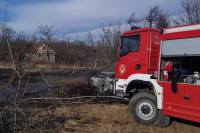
(93, 52)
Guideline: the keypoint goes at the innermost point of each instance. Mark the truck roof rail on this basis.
(182, 28)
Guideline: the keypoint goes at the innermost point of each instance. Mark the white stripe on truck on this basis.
(180, 29)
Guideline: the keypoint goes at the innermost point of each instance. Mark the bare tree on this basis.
(90, 41)
(6, 33)
(163, 21)
(116, 40)
(106, 40)
(152, 15)
(132, 20)
(157, 18)
(110, 39)
(18, 74)
(45, 30)
(190, 13)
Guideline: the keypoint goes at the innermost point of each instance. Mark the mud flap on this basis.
(163, 120)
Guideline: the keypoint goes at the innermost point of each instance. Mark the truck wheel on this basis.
(143, 108)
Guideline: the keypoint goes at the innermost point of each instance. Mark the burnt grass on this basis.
(77, 115)
(64, 83)
(71, 82)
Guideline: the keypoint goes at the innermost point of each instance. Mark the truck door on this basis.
(184, 55)
(132, 50)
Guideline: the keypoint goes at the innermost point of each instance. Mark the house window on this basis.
(39, 55)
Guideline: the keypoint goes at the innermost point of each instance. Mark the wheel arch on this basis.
(139, 83)
(146, 79)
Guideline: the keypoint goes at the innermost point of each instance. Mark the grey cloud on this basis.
(79, 14)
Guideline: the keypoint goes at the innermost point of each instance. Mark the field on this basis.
(101, 115)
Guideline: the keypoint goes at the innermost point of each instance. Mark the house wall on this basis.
(44, 54)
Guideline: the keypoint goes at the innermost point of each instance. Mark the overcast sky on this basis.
(77, 16)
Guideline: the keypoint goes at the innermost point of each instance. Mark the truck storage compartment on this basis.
(184, 57)
(186, 68)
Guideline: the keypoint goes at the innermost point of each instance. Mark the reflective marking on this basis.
(184, 28)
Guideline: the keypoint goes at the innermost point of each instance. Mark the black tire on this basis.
(143, 108)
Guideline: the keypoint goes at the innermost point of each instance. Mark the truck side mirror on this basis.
(119, 52)
(118, 56)
(174, 82)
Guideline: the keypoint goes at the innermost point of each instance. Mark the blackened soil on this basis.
(58, 82)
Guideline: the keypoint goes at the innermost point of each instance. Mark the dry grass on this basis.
(97, 118)
(49, 67)
(113, 118)
(4, 65)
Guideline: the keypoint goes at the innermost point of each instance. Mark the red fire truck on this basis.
(158, 71)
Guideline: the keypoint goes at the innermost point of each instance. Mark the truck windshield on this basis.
(130, 44)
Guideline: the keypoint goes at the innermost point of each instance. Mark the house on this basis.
(42, 53)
